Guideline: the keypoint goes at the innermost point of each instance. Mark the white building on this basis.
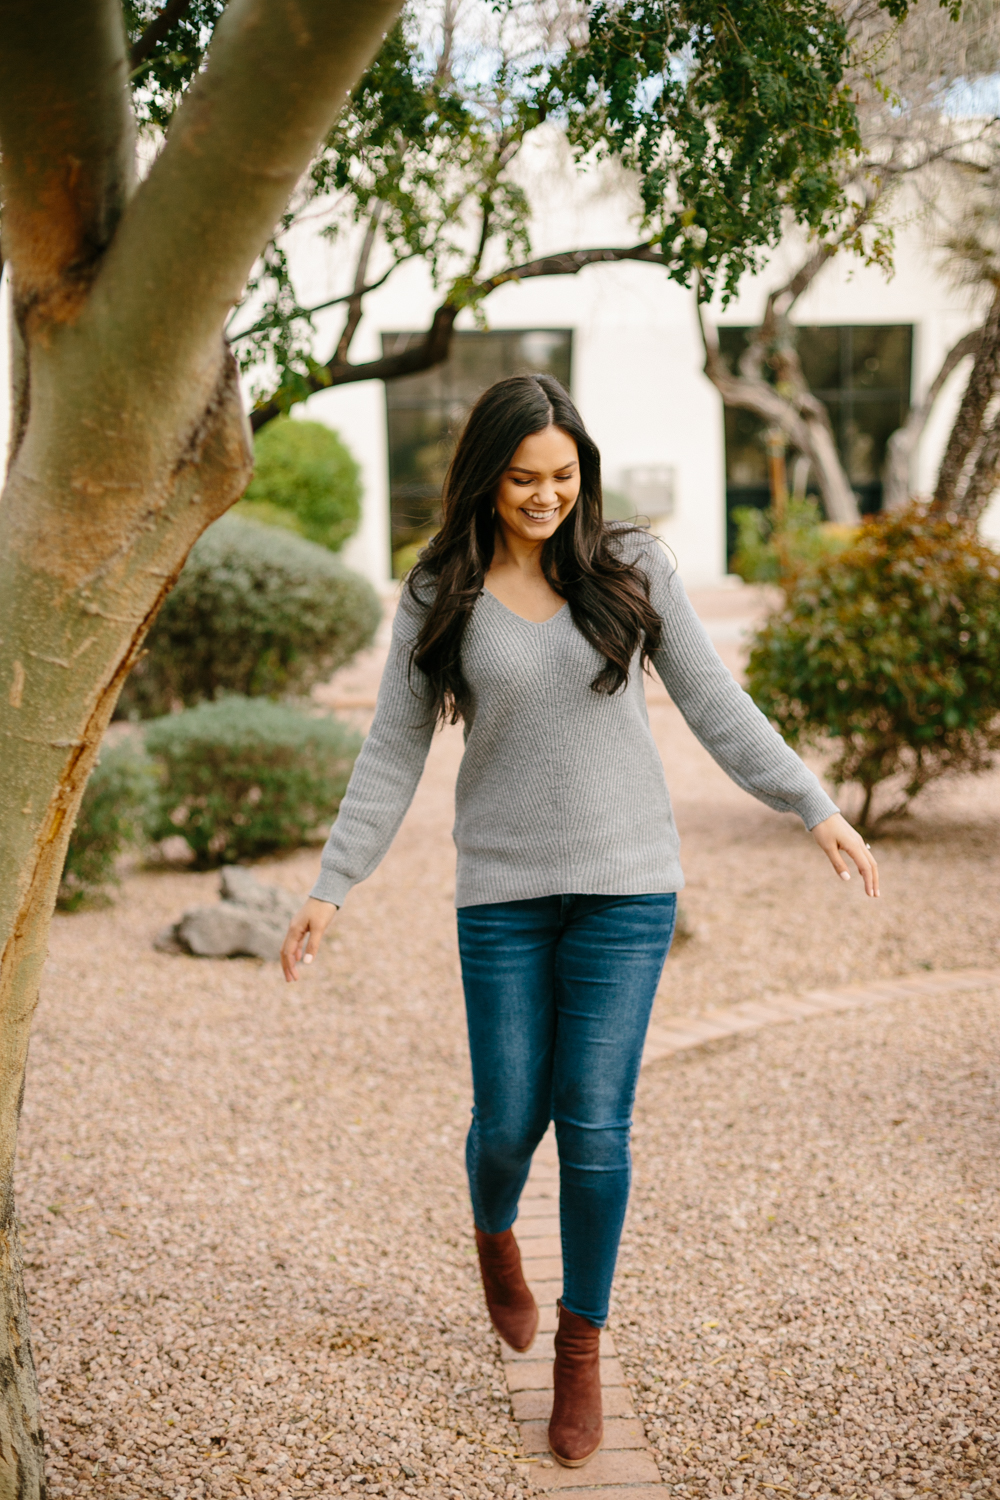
(629, 337)
(635, 369)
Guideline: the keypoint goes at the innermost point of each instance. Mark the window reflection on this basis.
(862, 373)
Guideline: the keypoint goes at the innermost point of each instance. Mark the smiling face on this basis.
(540, 486)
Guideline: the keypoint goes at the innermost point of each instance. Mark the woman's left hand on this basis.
(835, 834)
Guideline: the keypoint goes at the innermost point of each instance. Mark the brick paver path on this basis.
(625, 1469)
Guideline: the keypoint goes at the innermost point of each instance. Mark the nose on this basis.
(547, 494)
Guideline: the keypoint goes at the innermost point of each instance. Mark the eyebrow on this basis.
(520, 469)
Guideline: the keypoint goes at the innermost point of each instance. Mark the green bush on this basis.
(892, 650)
(768, 552)
(111, 816)
(244, 776)
(304, 479)
(255, 611)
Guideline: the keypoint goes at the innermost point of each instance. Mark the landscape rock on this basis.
(238, 885)
(250, 921)
(167, 941)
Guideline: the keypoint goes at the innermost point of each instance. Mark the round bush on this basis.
(255, 611)
(244, 776)
(304, 478)
(892, 650)
(112, 813)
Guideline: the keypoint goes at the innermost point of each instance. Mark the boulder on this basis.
(250, 921)
(238, 885)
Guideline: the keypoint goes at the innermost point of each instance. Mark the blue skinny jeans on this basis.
(558, 993)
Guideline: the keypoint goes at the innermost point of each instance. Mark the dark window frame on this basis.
(842, 400)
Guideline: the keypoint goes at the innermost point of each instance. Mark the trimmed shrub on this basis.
(111, 816)
(892, 650)
(244, 776)
(255, 611)
(767, 552)
(304, 479)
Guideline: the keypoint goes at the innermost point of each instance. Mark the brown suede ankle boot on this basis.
(512, 1308)
(576, 1430)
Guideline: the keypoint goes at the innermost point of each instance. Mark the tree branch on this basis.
(354, 308)
(433, 349)
(775, 327)
(756, 396)
(781, 301)
(789, 405)
(66, 138)
(246, 129)
(435, 346)
(484, 235)
(371, 286)
(442, 74)
(159, 27)
(569, 262)
(774, 341)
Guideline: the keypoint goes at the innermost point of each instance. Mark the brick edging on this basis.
(681, 1033)
(625, 1468)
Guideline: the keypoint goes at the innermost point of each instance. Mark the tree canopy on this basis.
(732, 118)
(928, 152)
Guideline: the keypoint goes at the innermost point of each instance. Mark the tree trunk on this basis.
(985, 477)
(788, 403)
(777, 335)
(128, 433)
(839, 499)
(967, 428)
(72, 619)
(903, 443)
(21, 1445)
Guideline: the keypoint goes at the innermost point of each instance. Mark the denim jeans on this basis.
(558, 993)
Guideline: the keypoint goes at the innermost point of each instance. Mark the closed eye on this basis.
(558, 478)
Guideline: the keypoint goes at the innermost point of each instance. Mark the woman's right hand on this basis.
(305, 932)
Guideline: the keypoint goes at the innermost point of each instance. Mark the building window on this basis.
(425, 413)
(862, 373)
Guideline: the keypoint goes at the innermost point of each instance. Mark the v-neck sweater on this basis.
(561, 790)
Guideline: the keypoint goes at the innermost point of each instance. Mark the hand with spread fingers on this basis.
(304, 935)
(836, 837)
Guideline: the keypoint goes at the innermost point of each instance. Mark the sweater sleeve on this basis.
(387, 771)
(721, 715)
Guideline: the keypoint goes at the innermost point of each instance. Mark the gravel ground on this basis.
(244, 1215)
(244, 1208)
(809, 1289)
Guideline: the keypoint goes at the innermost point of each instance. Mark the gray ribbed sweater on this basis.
(561, 789)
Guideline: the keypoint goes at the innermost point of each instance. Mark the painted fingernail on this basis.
(308, 958)
(845, 875)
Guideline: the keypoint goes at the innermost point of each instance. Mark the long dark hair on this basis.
(608, 597)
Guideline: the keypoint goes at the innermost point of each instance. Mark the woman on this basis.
(530, 619)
